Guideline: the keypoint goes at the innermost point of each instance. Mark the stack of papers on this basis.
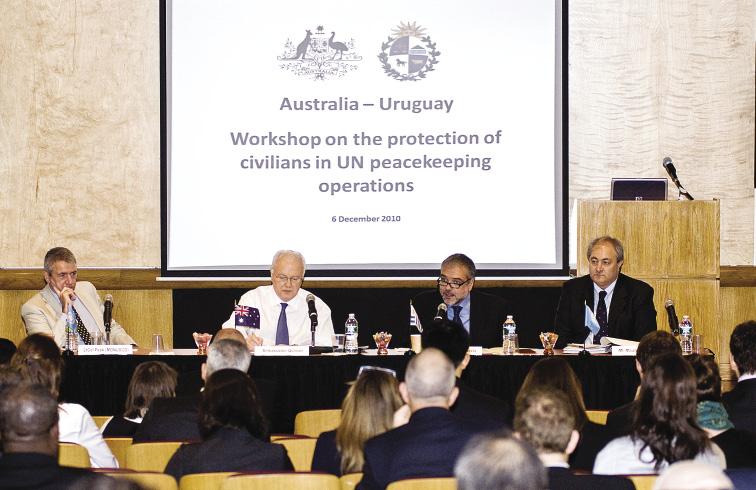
(592, 348)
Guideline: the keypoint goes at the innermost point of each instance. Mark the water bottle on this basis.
(509, 343)
(686, 335)
(350, 327)
(72, 340)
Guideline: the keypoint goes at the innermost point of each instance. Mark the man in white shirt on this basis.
(283, 309)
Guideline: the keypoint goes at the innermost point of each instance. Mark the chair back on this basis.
(350, 480)
(71, 454)
(313, 422)
(449, 483)
(150, 456)
(642, 482)
(101, 419)
(118, 446)
(147, 479)
(204, 481)
(300, 451)
(597, 416)
(281, 481)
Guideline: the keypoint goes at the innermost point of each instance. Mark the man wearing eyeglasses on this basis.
(481, 314)
(284, 317)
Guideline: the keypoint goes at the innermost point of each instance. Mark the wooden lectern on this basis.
(674, 247)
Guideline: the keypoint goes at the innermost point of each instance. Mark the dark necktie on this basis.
(457, 309)
(282, 331)
(81, 329)
(601, 317)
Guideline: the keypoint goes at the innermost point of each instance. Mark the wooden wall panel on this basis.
(737, 306)
(11, 325)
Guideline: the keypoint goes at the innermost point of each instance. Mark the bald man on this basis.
(427, 445)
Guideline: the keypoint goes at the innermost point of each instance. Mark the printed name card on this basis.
(112, 350)
(624, 350)
(475, 350)
(282, 350)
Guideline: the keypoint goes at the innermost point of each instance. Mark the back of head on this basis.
(449, 337)
(229, 334)
(368, 410)
(27, 414)
(692, 475)
(151, 379)
(556, 373)
(496, 461)
(655, 343)
(7, 349)
(38, 360)
(227, 354)
(231, 400)
(743, 347)
(543, 418)
(708, 381)
(430, 377)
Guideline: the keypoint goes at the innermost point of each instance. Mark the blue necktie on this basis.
(457, 309)
(601, 318)
(282, 331)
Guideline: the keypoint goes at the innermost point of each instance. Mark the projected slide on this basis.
(367, 135)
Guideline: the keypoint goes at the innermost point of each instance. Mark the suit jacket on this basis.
(487, 315)
(427, 446)
(483, 412)
(593, 438)
(619, 419)
(42, 472)
(170, 419)
(565, 479)
(741, 405)
(631, 312)
(43, 314)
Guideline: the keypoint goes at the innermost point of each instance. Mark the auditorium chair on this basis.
(350, 480)
(642, 482)
(118, 446)
(100, 420)
(312, 423)
(300, 451)
(71, 454)
(150, 456)
(281, 481)
(597, 416)
(204, 481)
(146, 479)
(449, 483)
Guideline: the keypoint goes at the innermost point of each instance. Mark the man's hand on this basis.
(67, 296)
(253, 341)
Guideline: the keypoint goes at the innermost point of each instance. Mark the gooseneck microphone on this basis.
(670, 168)
(313, 310)
(107, 314)
(674, 325)
(440, 313)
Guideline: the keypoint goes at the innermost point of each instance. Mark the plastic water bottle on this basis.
(350, 327)
(72, 341)
(686, 335)
(509, 343)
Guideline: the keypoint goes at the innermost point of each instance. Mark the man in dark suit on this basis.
(29, 431)
(741, 401)
(427, 445)
(545, 420)
(481, 314)
(483, 411)
(623, 306)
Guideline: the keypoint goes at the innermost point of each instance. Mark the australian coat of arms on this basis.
(319, 56)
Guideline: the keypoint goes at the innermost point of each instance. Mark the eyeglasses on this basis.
(285, 279)
(454, 285)
(376, 368)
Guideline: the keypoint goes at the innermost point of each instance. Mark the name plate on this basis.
(112, 350)
(624, 350)
(282, 350)
(475, 350)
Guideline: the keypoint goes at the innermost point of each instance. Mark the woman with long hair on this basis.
(367, 410)
(664, 428)
(233, 430)
(38, 361)
(555, 372)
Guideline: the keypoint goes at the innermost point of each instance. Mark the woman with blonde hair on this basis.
(368, 410)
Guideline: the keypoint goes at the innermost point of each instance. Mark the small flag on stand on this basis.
(246, 317)
(414, 319)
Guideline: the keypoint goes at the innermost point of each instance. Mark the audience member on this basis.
(691, 475)
(368, 410)
(652, 344)
(738, 446)
(29, 431)
(427, 445)
(151, 379)
(38, 360)
(664, 428)
(557, 373)
(7, 349)
(497, 461)
(175, 419)
(485, 411)
(741, 401)
(233, 429)
(544, 419)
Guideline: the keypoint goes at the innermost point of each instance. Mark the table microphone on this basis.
(674, 325)
(313, 310)
(440, 313)
(107, 314)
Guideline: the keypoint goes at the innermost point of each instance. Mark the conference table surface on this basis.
(321, 381)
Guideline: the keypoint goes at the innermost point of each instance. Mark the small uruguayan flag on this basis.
(591, 322)
(414, 319)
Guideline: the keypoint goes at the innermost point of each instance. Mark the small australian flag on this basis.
(247, 317)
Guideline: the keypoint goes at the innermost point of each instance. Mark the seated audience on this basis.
(38, 360)
(497, 461)
(485, 411)
(555, 372)
(368, 410)
(29, 431)
(738, 446)
(7, 349)
(429, 443)
(544, 419)
(652, 344)
(741, 401)
(233, 429)
(690, 475)
(664, 428)
(151, 379)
